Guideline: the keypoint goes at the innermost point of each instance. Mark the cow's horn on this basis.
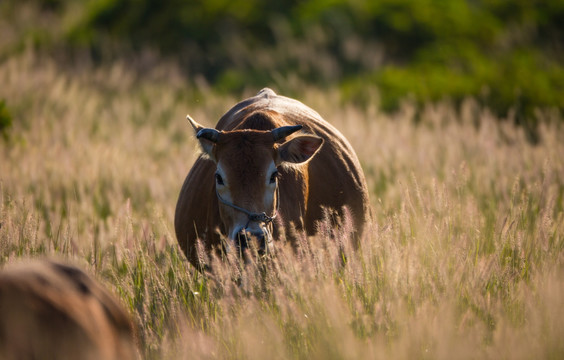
(197, 127)
(208, 134)
(282, 132)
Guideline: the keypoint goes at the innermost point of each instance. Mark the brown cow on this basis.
(49, 310)
(258, 173)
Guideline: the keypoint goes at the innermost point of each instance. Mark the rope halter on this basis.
(253, 216)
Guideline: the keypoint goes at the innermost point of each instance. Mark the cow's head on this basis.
(247, 175)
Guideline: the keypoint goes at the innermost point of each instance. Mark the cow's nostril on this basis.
(257, 238)
(242, 239)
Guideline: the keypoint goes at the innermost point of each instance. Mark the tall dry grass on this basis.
(464, 257)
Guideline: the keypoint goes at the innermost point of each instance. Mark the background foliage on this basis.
(506, 54)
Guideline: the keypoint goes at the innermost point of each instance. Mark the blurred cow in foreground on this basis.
(49, 310)
(270, 162)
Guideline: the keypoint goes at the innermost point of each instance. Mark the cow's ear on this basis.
(299, 149)
(206, 137)
(208, 147)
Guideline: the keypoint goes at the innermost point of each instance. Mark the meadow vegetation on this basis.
(464, 256)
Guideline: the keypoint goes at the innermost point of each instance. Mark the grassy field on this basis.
(464, 258)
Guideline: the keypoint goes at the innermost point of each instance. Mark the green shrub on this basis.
(505, 54)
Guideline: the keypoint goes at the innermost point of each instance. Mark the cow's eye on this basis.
(273, 177)
(219, 179)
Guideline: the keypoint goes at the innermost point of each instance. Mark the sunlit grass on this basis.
(464, 256)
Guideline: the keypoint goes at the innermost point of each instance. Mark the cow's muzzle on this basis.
(257, 240)
(262, 234)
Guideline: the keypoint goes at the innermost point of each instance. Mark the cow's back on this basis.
(50, 310)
